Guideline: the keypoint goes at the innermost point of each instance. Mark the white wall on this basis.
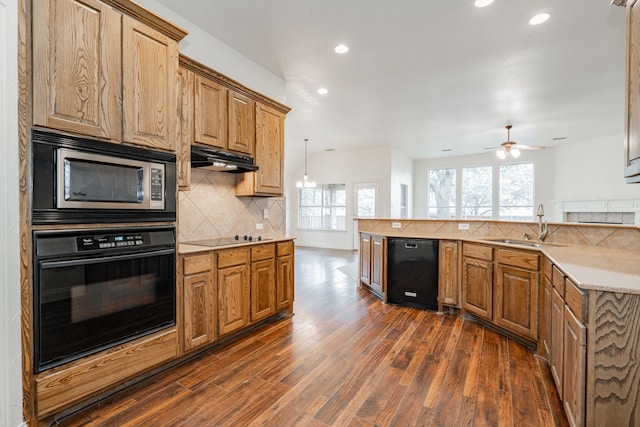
(593, 170)
(544, 166)
(340, 167)
(401, 173)
(10, 347)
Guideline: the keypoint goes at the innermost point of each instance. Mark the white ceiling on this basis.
(426, 75)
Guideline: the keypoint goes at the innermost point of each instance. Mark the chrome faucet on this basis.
(542, 228)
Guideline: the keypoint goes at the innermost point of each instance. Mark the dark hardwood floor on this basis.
(345, 359)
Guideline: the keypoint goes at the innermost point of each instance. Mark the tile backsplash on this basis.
(210, 209)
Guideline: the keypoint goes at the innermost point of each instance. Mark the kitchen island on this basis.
(577, 303)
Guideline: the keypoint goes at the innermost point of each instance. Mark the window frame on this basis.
(325, 205)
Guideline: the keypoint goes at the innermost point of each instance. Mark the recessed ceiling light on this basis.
(341, 48)
(483, 3)
(322, 91)
(559, 138)
(329, 149)
(446, 149)
(539, 19)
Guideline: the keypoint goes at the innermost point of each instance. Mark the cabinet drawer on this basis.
(284, 248)
(520, 259)
(575, 299)
(197, 263)
(546, 267)
(477, 251)
(259, 252)
(558, 280)
(230, 257)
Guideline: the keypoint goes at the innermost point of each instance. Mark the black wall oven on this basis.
(96, 288)
(77, 180)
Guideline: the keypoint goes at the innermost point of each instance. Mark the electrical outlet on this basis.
(396, 225)
(259, 226)
(463, 226)
(265, 213)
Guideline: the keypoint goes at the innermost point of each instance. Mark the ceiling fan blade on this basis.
(529, 147)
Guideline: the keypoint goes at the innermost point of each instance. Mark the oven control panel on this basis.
(107, 241)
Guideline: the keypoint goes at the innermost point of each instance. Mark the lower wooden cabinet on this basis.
(556, 350)
(575, 363)
(378, 264)
(284, 276)
(198, 301)
(365, 258)
(448, 277)
(233, 279)
(263, 285)
(477, 280)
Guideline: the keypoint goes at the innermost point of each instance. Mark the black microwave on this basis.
(81, 180)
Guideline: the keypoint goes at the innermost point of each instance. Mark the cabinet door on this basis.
(556, 351)
(516, 301)
(242, 123)
(365, 259)
(149, 68)
(199, 314)
(378, 252)
(575, 355)
(269, 151)
(263, 289)
(477, 289)
(545, 317)
(233, 298)
(284, 282)
(632, 119)
(185, 127)
(448, 274)
(77, 67)
(210, 113)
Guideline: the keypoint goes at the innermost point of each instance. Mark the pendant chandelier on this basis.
(306, 183)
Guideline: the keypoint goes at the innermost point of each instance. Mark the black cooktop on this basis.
(225, 241)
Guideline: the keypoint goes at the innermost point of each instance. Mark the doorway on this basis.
(366, 204)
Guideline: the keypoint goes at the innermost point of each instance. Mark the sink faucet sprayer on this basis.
(542, 228)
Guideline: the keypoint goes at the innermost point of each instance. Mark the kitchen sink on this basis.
(522, 243)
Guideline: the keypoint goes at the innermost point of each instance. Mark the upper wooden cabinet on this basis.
(242, 123)
(77, 67)
(103, 73)
(149, 67)
(185, 127)
(269, 156)
(632, 119)
(210, 113)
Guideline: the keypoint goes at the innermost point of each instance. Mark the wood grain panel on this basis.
(614, 348)
(448, 277)
(477, 251)
(242, 123)
(365, 258)
(230, 257)
(477, 287)
(284, 248)
(576, 300)
(210, 113)
(575, 355)
(284, 283)
(556, 350)
(185, 135)
(516, 301)
(233, 297)
(520, 259)
(558, 280)
(632, 116)
(63, 387)
(198, 263)
(199, 310)
(263, 289)
(263, 251)
(547, 267)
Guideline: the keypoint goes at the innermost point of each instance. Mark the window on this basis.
(516, 192)
(366, 206)
(323, 207)
(442, 193)
(477, 193)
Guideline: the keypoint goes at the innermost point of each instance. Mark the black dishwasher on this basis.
(412, 272)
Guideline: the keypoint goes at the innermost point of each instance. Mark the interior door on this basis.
(366, 204)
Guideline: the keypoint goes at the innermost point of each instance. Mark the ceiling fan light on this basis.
(501, 154)
(483, 3)
(515, 153)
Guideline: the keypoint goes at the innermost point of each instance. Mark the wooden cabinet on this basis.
(284, 276)
(263, 285)
(477, 280)
(516, 292)
(269, 156)
(233, 278)
(545, 317)
(185, 127)
(149, 69)
(448, 282)
(378, 264)
(575, 354)
(198, 301)
(210, 113)
(365, 258)
(556, 350)
(632, 117)
(101, 73)
(77, 67)
(242, 123)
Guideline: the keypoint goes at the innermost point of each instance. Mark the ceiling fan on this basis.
(513, 148)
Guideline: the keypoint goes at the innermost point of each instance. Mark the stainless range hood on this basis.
(222, 161)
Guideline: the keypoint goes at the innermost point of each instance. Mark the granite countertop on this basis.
(589, 267)
(185, 249)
